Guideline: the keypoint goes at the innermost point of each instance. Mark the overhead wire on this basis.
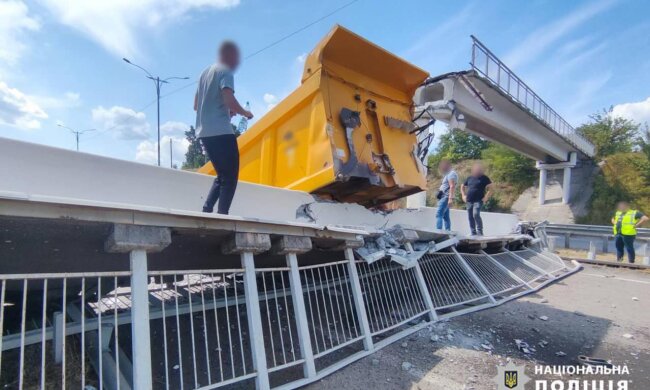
(270, 45)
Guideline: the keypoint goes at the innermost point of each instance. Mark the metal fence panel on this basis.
(495, 279)
(391, 295)
(448, 281)
(524, 272)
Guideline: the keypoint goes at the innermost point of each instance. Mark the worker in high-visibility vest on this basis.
(625, 222)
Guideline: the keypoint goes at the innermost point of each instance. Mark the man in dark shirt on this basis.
(475, 191)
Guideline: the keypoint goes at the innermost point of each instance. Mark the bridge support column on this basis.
(566, 185)
(542, 186)
(566, 181)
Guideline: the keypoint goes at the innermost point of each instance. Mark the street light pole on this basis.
(158, 81)
(76, 133)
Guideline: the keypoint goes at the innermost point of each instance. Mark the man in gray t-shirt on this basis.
(212, 114)
(445, 195)
(214, 104)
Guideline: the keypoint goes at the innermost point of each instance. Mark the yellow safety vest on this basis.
(628, 222)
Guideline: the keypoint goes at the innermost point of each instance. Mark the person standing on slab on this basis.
(625, 222)
(446, 194)
(476, 190)
(215, 104)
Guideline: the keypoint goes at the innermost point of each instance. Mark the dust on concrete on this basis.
(589, 313)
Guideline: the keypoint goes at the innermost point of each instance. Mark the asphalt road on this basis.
(598, 312)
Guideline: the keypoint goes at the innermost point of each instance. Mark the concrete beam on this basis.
(403, 235)
(291, 244)
(247, 243)
(126, 238)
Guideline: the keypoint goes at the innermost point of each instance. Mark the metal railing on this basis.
(244, 327)
(497, 73)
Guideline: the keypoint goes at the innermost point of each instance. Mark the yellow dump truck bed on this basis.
(345, 132)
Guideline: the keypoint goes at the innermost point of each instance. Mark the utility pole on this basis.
(159, 82)
(76, 133)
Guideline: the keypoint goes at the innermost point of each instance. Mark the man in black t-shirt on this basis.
(476, 191)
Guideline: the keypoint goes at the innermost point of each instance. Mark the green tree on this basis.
(610, 134)
(194, 157)
(509, 166)
(457, 145)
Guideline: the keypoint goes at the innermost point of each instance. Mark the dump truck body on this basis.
(345, 132)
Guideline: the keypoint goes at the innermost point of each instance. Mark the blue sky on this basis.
(60, 60)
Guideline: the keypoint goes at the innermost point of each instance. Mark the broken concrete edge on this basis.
(125, 238)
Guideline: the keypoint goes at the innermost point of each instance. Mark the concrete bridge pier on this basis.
(566, 179)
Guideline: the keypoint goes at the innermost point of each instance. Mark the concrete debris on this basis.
(628, 336)
(176, 367)
(406, 366)
(635, 298)
(524, 347)
(560, 354)
(401, 245)
(375, 362)
(435, 338)
(543, 318)
(450, 337)
(543, 343)
(405, 344)
(487, 346)
(544, 300)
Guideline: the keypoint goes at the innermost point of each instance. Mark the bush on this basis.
(622, 178)
(509, 166)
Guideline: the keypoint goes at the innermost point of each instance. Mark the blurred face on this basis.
(622, 206)
(230, 57)
(444, 166)
(477, 170)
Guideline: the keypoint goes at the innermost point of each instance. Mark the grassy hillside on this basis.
(624, 176)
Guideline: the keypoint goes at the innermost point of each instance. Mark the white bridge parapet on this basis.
(204, 301)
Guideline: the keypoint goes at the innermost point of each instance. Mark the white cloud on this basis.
(115, 24)
(301, 58)
(124, 122)
(430, 41)
(18, 109)
(636, 111)
(147, 151)
(539, 40)
(67, 100)
(270, 100)
(174, 128)
(15, 22)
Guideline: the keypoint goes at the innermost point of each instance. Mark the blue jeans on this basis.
(474, 216)
(627, 243)
(442, 214)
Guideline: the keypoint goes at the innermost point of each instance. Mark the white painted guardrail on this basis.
(253, 327)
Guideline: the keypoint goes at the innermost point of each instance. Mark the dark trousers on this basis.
(627, 243)
(474, 216)
(224, 154)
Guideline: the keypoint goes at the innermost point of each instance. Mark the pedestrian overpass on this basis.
(492, 102)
